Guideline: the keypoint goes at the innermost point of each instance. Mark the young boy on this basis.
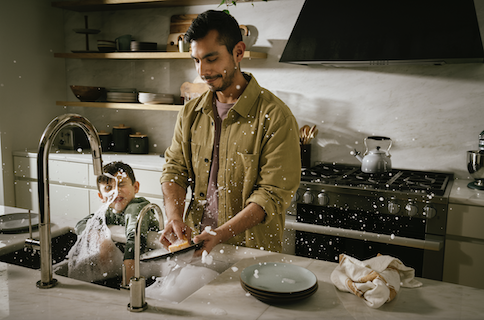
(123, 210)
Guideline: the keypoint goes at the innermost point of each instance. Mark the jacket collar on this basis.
(243, 105)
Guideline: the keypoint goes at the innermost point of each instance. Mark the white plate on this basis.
(278, 277)
(17, 221)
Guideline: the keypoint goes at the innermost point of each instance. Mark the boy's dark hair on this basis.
(226, 25)
(114, 168)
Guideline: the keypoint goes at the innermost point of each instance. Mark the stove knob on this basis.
(323, 199)
(393, 206)
(411, 209)
(308, 197)
(429, 211)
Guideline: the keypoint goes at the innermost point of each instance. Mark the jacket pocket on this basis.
(249, 172)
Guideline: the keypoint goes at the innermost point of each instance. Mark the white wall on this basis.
(30, 79)
(432, 113)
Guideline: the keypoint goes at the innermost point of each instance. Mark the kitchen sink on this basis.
(30, 258)
(62, 243)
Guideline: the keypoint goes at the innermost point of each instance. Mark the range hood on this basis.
(385, 32)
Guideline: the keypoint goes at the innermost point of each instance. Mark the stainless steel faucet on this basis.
(56, 125)
(137, 284)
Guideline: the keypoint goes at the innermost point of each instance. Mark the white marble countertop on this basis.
(137, 161)
(224, 298)
(461, 194)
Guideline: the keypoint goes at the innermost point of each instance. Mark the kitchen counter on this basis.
(461, 194)
(137, 161)
(224, 298)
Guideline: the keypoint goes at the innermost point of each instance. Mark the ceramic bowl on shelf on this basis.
(87, 93)
(155, 98)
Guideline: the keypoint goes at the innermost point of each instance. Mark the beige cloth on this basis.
(376, 280)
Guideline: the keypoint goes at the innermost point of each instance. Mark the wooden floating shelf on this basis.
(100, 5)
(119, 105)
(144, 55)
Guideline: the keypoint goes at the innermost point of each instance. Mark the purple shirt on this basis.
(210, 215)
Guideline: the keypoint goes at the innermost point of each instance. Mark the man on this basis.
(236, 146)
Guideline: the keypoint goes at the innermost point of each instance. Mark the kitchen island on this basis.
(223, 298)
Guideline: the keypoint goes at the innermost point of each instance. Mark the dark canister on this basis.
(106, 140)
(121, 138)
(138, 143)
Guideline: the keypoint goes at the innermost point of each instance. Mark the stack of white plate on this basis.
(155, 98)
(278, 283)
(122, 95)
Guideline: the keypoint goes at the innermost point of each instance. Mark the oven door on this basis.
(325, 233)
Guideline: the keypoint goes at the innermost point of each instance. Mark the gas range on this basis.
(409, 193)
(340, 209)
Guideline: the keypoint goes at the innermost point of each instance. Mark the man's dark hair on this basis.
(114, 168)
(226, 26)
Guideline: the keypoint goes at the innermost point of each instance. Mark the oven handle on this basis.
(434, 243)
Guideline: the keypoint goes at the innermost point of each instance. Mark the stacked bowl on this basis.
(278, 283)
(155, 98)
(106, 46)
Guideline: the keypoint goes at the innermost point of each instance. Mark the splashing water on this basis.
(95, 256)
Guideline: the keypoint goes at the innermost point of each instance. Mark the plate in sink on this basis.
(17, 222)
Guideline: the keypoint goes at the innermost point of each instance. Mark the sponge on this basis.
(178, 245)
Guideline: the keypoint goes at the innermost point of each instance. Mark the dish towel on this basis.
(376, 280)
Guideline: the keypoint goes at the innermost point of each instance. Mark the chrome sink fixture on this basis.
(138, 283)
(46, 141)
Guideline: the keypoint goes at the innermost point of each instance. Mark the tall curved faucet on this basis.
(138, 283)
(56, 125)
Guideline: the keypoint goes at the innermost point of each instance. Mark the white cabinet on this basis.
(67, 200)
(26, 196)
(73, 189)
(464, 246)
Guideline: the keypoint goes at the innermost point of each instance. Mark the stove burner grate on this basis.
(396, 180)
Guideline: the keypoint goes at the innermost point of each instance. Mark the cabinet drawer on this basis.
(25, 167)
(149, 181)
(70, 201)
(466, 221)
(60, 171)
(463, 263)
(26, 195)
(68, 172)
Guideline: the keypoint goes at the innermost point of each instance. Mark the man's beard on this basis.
(226, 82)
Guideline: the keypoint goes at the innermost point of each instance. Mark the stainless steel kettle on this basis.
(375, 160)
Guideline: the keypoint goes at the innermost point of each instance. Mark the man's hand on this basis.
(174, 230)
(210, 240)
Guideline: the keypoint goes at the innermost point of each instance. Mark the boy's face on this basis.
(126, 192)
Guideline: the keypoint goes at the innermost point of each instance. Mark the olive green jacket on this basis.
(128, 219)
(259, 161)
